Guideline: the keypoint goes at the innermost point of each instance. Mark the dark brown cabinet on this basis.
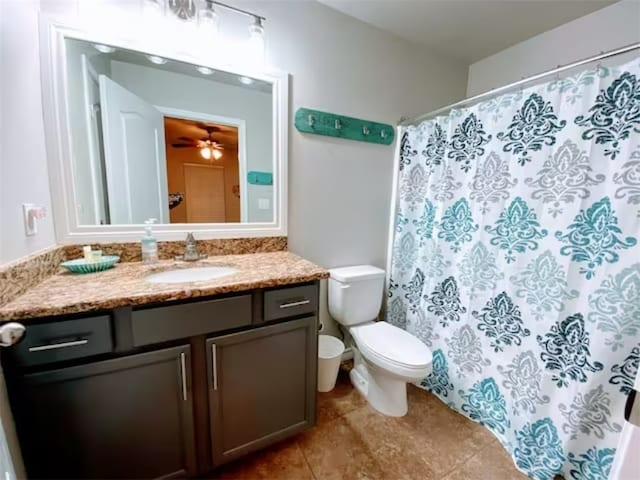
(262, 386)
(128, 417)
(164, 390)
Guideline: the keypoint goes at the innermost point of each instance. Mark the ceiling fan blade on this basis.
(186, 139)
(182, 145)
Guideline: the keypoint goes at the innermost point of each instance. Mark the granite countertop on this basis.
(124, 285)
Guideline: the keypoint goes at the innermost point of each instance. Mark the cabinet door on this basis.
(262, 386)
(130, 417)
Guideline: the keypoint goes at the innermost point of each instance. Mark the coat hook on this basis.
(365, 130)
(338, 124)
(311, 120)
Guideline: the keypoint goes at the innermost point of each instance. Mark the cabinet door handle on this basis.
(294, 304)
(55, 346)
(214, 366)
(183, 375)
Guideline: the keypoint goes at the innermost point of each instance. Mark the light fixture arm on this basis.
(237, 10)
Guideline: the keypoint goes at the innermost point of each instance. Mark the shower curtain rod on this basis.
(404, 122)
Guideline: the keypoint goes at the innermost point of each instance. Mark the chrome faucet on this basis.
(190, 250)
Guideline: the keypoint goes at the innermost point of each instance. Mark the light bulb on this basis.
(208, 18)
(104, 48)
(256, 43)
(205, 152)
(217, 154)
(156, 60)
(256, 29)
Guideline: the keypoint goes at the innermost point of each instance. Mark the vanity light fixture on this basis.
(204, 70)
(246, 80)
(205, 14)
(156, 60)
(104, 48)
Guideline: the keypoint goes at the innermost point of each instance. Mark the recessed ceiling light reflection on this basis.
(246, 80)
(204, 70)
(156, 60)
(104, 48)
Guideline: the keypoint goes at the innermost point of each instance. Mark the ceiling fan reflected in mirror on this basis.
(209, 147)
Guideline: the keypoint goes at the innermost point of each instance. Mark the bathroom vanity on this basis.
(169, 388)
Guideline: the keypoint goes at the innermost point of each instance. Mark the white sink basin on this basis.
(196, 274)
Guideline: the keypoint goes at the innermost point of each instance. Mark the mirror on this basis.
(152, 137)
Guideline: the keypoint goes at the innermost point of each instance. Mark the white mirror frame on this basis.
(59, 152)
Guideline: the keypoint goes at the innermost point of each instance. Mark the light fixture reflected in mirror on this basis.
(156, 60)
(246, 80)
(204, 70)
(208, 152)
(205, 152)
(104, 48)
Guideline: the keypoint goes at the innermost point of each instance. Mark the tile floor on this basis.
(353, 441)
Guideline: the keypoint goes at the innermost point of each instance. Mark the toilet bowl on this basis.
(386, 357)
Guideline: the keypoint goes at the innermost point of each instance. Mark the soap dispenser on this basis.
(149, 244)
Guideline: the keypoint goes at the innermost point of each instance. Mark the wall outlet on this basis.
(263, 203)
(32, 213)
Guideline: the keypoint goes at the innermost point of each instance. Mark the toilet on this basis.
(386, 357)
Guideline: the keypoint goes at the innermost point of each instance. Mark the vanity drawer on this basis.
(66, 340)
(291, 301)
(162, 324)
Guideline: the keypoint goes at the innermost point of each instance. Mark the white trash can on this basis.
(329, 357)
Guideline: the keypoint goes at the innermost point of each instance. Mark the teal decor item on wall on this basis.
(332, 125)
(260, 178)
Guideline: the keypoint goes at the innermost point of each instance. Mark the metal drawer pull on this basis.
(55, 346)
(214, 366)
(183, 374)
(295, 304)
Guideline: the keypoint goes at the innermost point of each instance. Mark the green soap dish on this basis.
(81, 265)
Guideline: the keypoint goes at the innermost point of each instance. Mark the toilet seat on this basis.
(392, 349)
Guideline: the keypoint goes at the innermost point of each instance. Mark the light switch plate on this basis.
(263, 203)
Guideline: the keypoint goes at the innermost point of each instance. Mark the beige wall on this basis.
(177, 157)
(604, 30)
(23, 160)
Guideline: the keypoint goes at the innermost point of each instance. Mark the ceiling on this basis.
(175, 128)
(467, 30)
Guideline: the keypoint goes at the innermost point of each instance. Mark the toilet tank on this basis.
(355, 293)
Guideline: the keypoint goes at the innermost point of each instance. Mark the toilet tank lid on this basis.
(356, 273)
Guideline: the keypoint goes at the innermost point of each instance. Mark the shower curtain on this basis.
(516, 260)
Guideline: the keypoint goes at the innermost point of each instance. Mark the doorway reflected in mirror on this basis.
(202, 166)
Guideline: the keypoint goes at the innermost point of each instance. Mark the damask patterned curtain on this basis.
(516, 259)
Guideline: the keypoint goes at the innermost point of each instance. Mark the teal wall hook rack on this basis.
(332, 125)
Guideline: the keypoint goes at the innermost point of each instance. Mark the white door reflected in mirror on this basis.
(134, 156)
